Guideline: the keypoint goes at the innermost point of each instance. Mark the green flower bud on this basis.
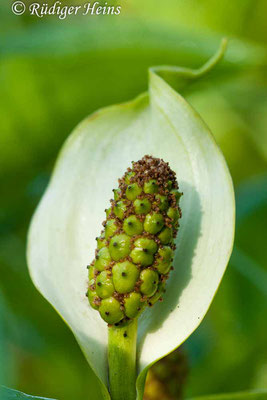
(102, 259)
(128, 177)
(153, 223)
(165, 236)
(148, 244)
(110, 228)
(158, 294)
(104, 285)
(133, 305)
(116, 194)
(92, 297)
(132, 226)
(166, 253)
(151, 187)
(119, 209)
(177, 195)
(144, 251)
(141, 256)
(169, 185)
(149, 283)
(142, 206)
(132, 191)
(125, 275)
(173, 213)
(135, 251)
(163, 267)
(120, 247)
(108, 212)
(110, 310)
(101, 242)
(92, 273)
(162, 202)
(165, 256)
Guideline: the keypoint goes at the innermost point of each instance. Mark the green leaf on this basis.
(11, 394)
(62, 234)
(253, 395)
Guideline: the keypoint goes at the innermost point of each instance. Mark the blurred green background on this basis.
(53, 73)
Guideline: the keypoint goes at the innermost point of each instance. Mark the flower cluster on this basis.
(135, 251)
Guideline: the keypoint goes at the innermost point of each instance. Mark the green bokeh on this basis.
(53, 74)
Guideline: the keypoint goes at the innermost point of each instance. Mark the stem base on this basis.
(122, 361)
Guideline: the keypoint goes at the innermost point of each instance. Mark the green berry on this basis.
(173, 213)
(177, 195)
(103, 259)
(101, 242)
(132, 191)
(149, 283)
(104, 285)
(169, 185)
(119, 209)
(120, 247)
(143, 252)
(128, 177)
(133, 305)
(125, 275)
(135, 251)
(92, 271)
(142, 206)
(162, 202)
(166, 253)
(110, 310)
(132, 226)
(148, 244)
(110, 228)
(158, 294)
(141, 256)
(165, 236)
(151, 187)
(153, 223)
(92, 297)
(164, 260)
(163, 267)
(116, 194)
(108, 211)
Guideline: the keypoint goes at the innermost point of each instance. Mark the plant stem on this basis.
(122, 361)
